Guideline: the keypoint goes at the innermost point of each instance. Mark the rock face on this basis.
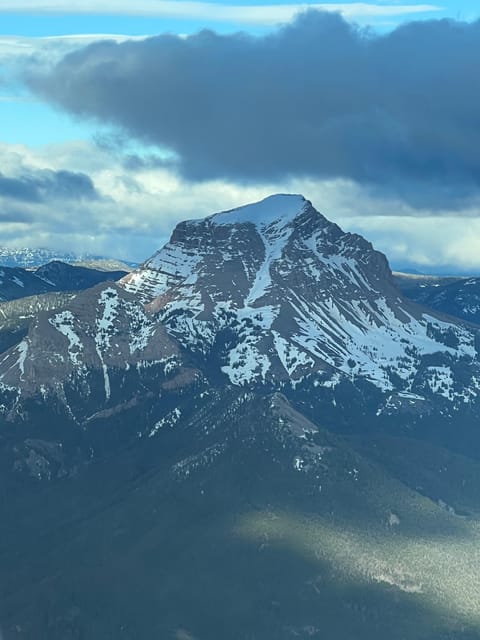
(273, 293)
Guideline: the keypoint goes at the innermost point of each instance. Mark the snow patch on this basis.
(284, 207)
(290, 357)
(104, 324)
(169, 420)
(22, 350)
(63, 323)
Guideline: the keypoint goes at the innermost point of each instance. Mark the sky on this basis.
(120, 119)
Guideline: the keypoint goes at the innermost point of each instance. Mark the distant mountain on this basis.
(106, 264)
(54, 276)
(253, 435)
(456, 296)
(28, 258)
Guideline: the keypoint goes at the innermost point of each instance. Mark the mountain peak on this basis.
(267, 294)
(274, 291)
(274, 208)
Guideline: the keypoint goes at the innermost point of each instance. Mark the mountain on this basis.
(67, 277)
(54, 276)
(253, 435)
(25, 293)
(275, 295)
(271, 297)
(455, 296)
(17, 315)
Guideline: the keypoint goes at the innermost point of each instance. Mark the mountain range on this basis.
(28, 258)
(255, 434)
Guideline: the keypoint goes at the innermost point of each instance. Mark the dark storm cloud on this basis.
(317, 98)
(44, 185)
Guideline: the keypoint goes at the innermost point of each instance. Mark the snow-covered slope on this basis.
(275, 292)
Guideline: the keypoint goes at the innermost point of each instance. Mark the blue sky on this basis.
(135, 210)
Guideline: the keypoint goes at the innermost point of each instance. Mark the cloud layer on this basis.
(316, 98)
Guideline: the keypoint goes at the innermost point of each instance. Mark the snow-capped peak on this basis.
(275, 208)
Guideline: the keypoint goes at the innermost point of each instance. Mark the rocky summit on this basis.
(253, 435)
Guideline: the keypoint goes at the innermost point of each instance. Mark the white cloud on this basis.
(243, 14)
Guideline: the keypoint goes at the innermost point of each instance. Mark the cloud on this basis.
(430, 245)
(260, 14)
(316, 98)
(45, 185)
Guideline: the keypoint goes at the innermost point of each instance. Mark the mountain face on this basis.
(25, 293)
(102, 331)
(254, 435)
